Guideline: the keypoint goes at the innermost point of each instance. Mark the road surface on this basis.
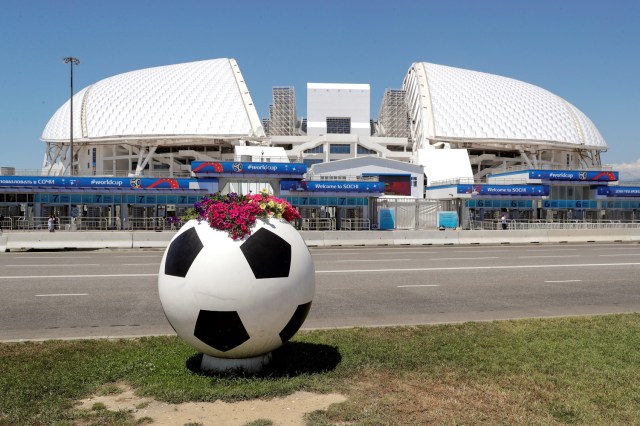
(71, 294)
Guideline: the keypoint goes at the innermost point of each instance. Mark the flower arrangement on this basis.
(236, 213)
(172, 220)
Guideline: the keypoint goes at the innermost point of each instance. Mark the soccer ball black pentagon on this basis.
(236, 299)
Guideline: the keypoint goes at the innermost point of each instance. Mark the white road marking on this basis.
(371, 260)
(341, 250)
(462, 268)
(564, 281)
(419, 285)
(129, 257)
(464, 258)
(629, 247)
(619, 254)
(476, 250)
(389, 250)
(77, 276)
(58, 264)
(548, 249)
(62, 294)
(552, 256)
(52, 257)
(141, 264)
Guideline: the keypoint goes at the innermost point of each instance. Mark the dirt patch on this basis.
(287, 410)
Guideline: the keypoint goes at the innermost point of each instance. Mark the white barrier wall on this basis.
(18, 241)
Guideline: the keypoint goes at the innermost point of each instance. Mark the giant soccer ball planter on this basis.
(236, 300)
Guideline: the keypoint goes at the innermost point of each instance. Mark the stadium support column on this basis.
(71, 61)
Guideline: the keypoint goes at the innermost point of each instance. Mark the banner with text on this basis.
(225, 167)
(97, 182)
(512, 190)
(574, 175)
(619, 191)
(332, 186)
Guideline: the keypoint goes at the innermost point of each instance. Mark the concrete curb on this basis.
(43, 240)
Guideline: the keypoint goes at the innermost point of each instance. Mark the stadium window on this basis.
(363, 150)
(414, 181)
(338, 125)
(340, 148)
(310, 162)
(317, 150)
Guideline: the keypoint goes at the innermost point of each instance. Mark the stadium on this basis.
(448, 139)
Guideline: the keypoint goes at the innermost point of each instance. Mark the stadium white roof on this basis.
(205, 99)
(457, 105)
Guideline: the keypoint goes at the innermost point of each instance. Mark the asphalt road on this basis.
(72, 294)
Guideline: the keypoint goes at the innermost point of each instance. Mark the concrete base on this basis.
(245, 365)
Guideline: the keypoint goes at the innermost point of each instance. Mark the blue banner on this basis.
(332, 186)
(224, 167)
(97, 182)
(448, 219)
(619, 191)
(574, 175)
(513, 190)
(386, 219)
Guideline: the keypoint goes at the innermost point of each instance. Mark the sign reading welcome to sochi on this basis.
(331, 186)
(222, 167)
(94, 182)
(530, 190)
(574, 175)
(619, 191)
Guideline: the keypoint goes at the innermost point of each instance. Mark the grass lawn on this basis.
(582, 370)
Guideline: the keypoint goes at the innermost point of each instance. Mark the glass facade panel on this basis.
(363, 150)
(340, 125)
(340, 148)
(317, 150)
(310, 162)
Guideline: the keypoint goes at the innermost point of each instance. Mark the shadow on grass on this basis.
(290, 360)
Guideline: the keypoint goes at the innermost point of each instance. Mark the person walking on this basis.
(51, 223)
(1, 220)
(503, 220)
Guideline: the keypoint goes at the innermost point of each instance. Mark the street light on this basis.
(71, 61)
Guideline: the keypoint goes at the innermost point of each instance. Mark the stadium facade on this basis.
(147, 143)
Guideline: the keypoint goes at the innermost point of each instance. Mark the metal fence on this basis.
(67, 223)
(411, 213)
(409, 216)
(355, 225)
(547, 224)
(317, 224)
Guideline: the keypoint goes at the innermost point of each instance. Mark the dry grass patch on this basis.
(289, 410)
(416, 399)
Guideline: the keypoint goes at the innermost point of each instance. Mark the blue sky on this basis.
(585, 51)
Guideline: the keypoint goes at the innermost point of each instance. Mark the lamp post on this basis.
(71, 61)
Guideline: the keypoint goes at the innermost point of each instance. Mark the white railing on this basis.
(345, 178)
(6, 223)
(453, 181)
(318, 224)
(67, 223)
(117, 173)
(64, 223)
(546, 166)
(484, 225)
(148, 224)
(355, 224)
(255, 158)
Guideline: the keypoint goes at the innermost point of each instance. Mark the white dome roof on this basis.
(468, 105)
(196, 99)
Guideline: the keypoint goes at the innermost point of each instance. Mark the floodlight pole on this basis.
(71, 61)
